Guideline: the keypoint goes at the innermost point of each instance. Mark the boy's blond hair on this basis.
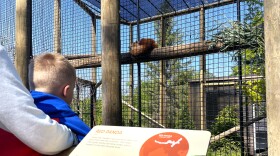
(50, 71)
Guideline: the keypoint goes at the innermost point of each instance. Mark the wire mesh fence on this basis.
(206, 71)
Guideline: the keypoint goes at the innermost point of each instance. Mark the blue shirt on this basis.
(57, 108)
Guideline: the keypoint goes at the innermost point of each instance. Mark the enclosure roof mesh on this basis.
(150, 8)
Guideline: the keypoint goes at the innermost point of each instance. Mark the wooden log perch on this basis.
(163, 53)
(86, 62)
(72, 57)
(235, 129)
(144, 115)
(224, 134)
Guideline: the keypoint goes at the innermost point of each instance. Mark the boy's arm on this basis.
(77, 126)
(20, 116)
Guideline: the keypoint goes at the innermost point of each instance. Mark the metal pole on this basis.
(139, 66)
(240, 87)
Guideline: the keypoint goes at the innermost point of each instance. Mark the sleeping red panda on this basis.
(144, 46)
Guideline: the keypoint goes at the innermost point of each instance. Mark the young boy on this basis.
(52, 81)
(25, 129)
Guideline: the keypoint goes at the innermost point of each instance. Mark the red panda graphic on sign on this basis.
(165, 144)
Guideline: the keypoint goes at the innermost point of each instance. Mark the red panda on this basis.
(144, 46)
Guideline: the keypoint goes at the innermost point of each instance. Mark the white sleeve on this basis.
(20, 116)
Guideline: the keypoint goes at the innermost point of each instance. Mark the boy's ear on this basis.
(65, 90)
